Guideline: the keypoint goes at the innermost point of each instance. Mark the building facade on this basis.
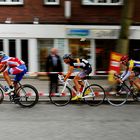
(86, 28)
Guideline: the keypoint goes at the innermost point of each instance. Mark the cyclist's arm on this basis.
(3, 67)
(71, 68)
(127, 73)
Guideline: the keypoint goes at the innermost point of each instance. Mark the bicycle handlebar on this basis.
(61, 78)
(116, 76)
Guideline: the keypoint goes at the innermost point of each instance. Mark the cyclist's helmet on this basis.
(67, 56)
(124, 58)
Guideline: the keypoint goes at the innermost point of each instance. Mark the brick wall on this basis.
(81, 14)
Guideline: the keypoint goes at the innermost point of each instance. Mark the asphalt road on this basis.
(72, 122)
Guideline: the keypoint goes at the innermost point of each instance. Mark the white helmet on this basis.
(67, 56)
(2, 53)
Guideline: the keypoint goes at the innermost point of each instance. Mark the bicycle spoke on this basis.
(1, 96)
(94, 95)
(62, 97)
(117, 97)
(28, 95)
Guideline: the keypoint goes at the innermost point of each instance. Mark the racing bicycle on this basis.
(119, 93)
(92, 94)
(25, 95)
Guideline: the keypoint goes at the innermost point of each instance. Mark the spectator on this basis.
(53, 64)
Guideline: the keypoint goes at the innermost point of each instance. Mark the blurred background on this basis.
(88, 29)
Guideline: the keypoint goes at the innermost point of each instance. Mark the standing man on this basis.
(53, 64)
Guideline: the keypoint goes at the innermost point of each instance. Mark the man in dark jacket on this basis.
(53, 64)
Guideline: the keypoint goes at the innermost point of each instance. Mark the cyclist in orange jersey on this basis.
(85, 67)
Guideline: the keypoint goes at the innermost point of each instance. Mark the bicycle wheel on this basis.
(94, 95)
(117, 96)
(1, 96)
(62, 97)
(28, 95)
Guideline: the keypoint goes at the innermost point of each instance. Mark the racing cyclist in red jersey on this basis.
(12, 66)
(85, 67)
(132, 71)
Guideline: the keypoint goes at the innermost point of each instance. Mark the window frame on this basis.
(108, 3)
(10, 2)
(46, 2)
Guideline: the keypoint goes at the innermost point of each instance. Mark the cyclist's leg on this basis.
(137, 82)
(77, 78)
(7, 77)
(19, 73)
(80, 75)
(135, 76)
(83, 74)
(77, 85)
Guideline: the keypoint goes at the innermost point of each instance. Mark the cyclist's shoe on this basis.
(77, 97)
(16, 98)
(87, 92)
(118, 88)
(9, 90)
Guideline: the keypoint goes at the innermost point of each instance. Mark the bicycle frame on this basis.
(67, 91)
(2, 87)
(131, 85)
(68, 83)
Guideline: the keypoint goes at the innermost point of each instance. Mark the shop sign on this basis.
(105, 33)
(78, 32)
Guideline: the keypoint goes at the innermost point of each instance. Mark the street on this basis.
(45, 121)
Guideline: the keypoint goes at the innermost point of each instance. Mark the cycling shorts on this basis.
(136, 70)
(84, 73)
(19, 71)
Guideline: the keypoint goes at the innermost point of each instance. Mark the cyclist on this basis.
(132, 70)
(13, 66)
(77, 63)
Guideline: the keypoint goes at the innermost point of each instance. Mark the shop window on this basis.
(24, 51)
(103, 49)
(79, 48)
(1, 45)
(12, 48)
(44, 49)
(134, 50)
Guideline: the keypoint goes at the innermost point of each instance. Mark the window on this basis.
(24, 51)
(12, 48)
(45, 46)
(1, 45)
(103, 49)
(51, 2)
(11, 2)
(102, 2)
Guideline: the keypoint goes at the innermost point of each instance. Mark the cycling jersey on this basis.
(11, 61)
(80, 63)
(134, 65)
(15, 66)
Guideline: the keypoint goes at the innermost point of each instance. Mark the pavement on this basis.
(71, 122)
